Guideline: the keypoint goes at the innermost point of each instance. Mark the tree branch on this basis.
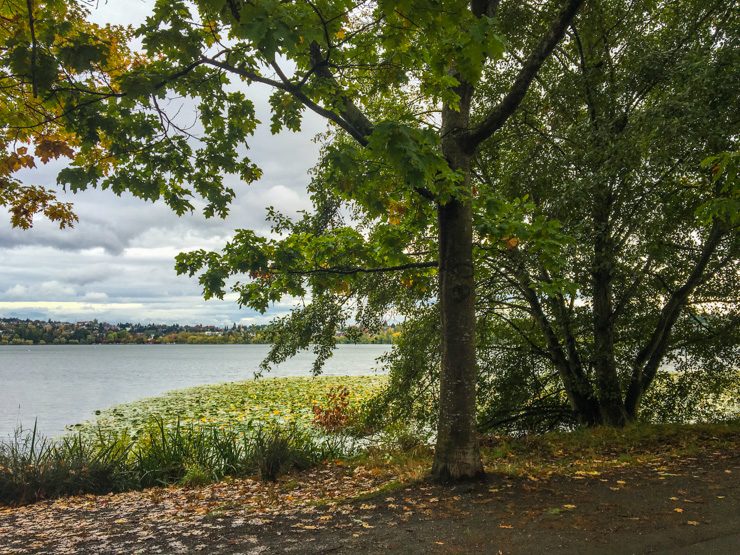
(34, 47)
(646, 362)
(358, 270)
(498, 116)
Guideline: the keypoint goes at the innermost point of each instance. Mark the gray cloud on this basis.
(117, 263)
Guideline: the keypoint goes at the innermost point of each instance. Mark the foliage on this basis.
(644, 283)
(14, 331)
(51, 59)
(692, 395)
(243, 405)
(607, 247)
(334, 415)
(34, 468)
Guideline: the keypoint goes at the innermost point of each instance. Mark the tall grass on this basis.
(34, 468)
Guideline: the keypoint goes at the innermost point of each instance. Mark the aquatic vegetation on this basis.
(240, 405)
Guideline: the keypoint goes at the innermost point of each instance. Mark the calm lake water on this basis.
(64, 384)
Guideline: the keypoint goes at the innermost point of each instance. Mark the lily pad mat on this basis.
(235, 404)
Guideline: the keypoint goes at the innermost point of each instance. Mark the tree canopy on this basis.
(607, 229)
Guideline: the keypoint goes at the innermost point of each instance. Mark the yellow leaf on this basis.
(692, 523)
(678, 510)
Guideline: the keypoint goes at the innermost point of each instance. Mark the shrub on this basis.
(335, 414)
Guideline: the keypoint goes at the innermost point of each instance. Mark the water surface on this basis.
(64, 384)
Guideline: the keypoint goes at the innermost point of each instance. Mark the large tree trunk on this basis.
(457, 455)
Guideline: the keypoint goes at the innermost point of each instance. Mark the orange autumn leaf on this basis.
(48, 149)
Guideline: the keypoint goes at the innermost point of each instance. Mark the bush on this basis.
(335, 415)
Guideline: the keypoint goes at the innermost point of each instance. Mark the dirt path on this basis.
(686, 505)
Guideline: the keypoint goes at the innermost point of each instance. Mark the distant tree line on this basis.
(14, 331)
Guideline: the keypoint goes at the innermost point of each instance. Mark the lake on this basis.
(64, 384)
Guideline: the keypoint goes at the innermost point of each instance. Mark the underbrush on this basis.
(34, 468)
(592, 450)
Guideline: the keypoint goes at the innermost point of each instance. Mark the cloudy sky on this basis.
(117, 263)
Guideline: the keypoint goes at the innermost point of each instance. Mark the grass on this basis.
(584, 452)
(33, 468)
(592, 450)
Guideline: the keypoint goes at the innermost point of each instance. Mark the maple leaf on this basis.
(48, 149)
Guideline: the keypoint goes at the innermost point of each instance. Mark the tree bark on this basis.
(612, 408)
(457, 454)
(577, 387)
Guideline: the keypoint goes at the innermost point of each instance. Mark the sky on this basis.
(117, 263)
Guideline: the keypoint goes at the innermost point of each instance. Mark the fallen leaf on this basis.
(692, 523)
(678, 510)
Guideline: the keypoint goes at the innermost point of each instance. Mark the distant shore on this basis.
(14, 331)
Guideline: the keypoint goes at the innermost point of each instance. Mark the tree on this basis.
(397, 81)
(618, 139)
(601, 188)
